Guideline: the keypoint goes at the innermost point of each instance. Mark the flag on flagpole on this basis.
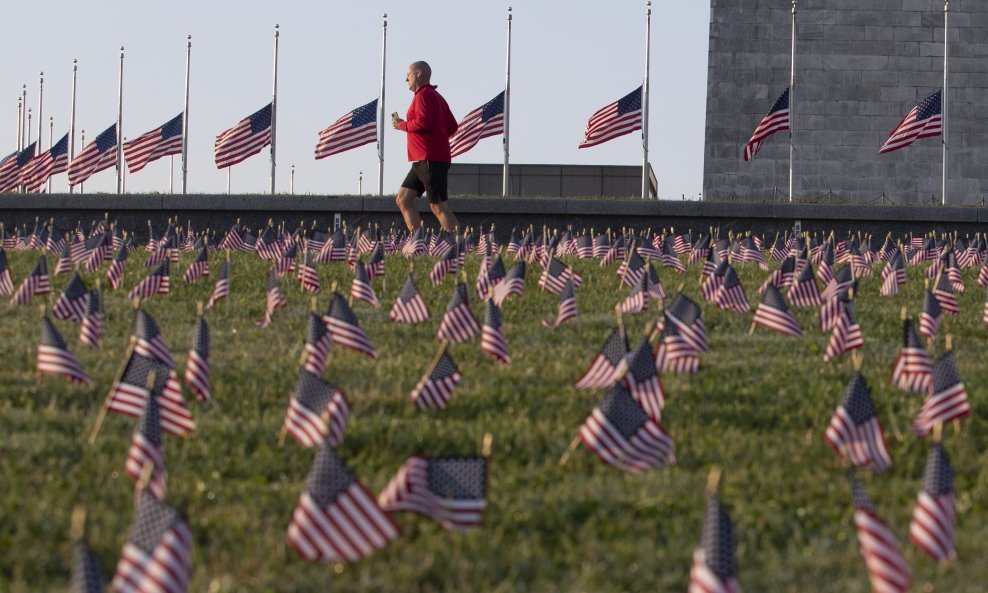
(483, 122)
(98, 155)
(245, 139)
(777, 120)
(450, 490)
(11, 166)
(923, 121)
(357, 128)
(616, 119)
(159, 142)
(53, 161)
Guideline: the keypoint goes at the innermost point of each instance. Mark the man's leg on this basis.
(406, 203)
(445, 216)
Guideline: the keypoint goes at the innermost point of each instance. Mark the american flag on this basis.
(64, 263)
(617, 119)
(555, 276)
(804, 292)
(450, 490)
(715, 567)
(345, 328)
(357, 128)
(317, 412)
(245, 139)
(375, 262)
(913, 370)
(157, 282)
(930, 316)
(115, 273)
(923, 121)
(944, 293)
(436, 387)
(198, 268)
(222, 288)
(318, 344)
(602, 370)
(91, 330)
(197, 364)
(54, 357)
(130, 392)
(855, 430)
(446, 265)
(625, 436)
(409, 307)
(159, 142)
(87, 576)
(233, 240)
(777, 120)
(98, 155)
(947, 399)
(6, 283)
(783, 276)
(773, 313)
(34, 284)
(893, 276)
(53, 161)
(360, 288)
(846, 334)
(415, 245)
(284, 262)
(11, 166)
(492, 340)
(887, 569)
(637, 301)
(934, 518)
(710, 286)
(149, 341)
(274, 299)
(146, 448)
(842, 279)
(337, 519)
(159, 544)
(458, 323)
(642, 378)
(674, 353)
(730, 294)
(483, 122)
(489, 276)
(752, 253)
(513, 283)
(71, 305)
(566, 309)
(689, 321)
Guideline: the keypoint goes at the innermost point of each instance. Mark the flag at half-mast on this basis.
(925, 120)
(354, 129)
(159, 142)
(53, 161)
(98, 155)
(616, 119)
(777, 120)
(245, 139)
(483, 122)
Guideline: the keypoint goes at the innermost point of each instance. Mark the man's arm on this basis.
(423, 116)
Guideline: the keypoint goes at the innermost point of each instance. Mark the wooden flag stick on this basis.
(620, 322)
(938, 431)
(109, 396)
(435, 360)
(77, 529)
(142, 482)
(569, 450)
(751, 329)
(857, 359)
(713, 480)
(488, 443)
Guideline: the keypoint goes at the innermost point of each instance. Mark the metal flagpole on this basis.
(228, 171)
(28, 141)
(648, 44)
(20, 118)
(274, 107)
(380, 107)
(946, 123)
(185, 117)
(75, 69)
(505, 182)
(41, 98)
(51, 133)
(24, 112)
(792, 102)
(82, 142)
(171, 174)
(291, 181)
(120, 126)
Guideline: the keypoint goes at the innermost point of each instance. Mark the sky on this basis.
(567, 60)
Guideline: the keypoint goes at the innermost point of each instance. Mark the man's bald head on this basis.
(419, 75)
(424, 68)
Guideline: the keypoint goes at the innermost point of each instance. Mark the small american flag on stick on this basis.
(855, 430)
(159, 543)
(887, 569)
(436, 387)
(625, 436)
(450, 490)
(934, 518)
(54, 357)
(317, 412)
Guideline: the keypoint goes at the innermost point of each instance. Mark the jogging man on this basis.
(429, 125)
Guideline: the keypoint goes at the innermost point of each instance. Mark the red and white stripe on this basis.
(197, 375)
(458, 325)
(57, 361)
(434, 393)
(409, 490)
(650, 448)
(864, 443)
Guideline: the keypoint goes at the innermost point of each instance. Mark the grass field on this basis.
(758, 408)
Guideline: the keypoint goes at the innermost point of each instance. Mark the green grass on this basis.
(758, 408)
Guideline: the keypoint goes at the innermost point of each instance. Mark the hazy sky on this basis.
(568, 60)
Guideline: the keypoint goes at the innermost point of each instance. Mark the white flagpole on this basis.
(648, 47)
(82, 141)
(75, 69)
(28, 141)
(51, 133)
(946, 47)
(41, 99)
(380, 107)
(274, 108)
(20, 118)
(505, 182)
(792, 101)
(171, 174)
(24, 127)
(120, 163)
(185, 117)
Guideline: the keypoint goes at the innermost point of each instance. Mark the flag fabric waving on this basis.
(318, 412)
(54, 357)
(492, 340)
(777, 120)
(435, 388)
(934, 518)
(483, 122)
(197, 364)
(855, 430)
(12, 165)
(98, 155)
(337, 519)
(155, 283)
(129, 393)
(450, 490)
(913, 370)
(158, 553)
(274, 300)
(357, 128)
(616, 119)
(36, 283)
(947, 399)
(344, 327)
(245, 139)
(409, 307)
(602, 371)
(715, 567)
(887, 569)
(53, 161)
(923, 121)
(71, 305)
(773, 313)
(318, 343)
(159, 142)
(91, 330)
(566, 308)
(222, 288)
(458, 324)
(146, 448)
(625, 436)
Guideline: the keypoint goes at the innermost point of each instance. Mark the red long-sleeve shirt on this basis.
(429, 124)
